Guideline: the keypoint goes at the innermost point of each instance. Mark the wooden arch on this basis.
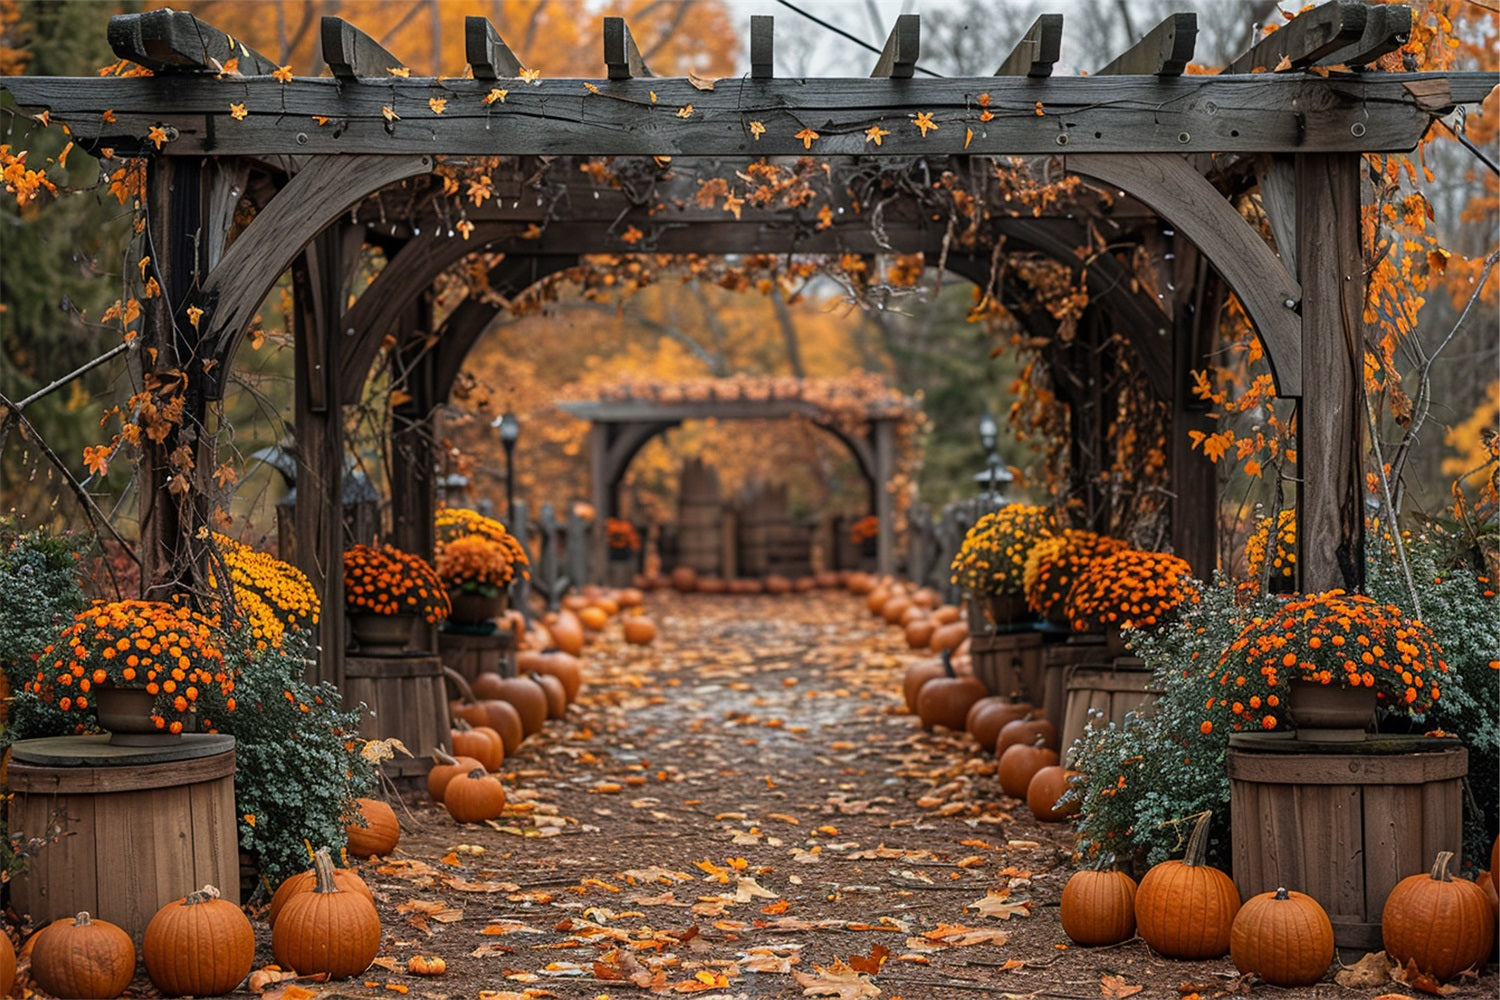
(1129, 124)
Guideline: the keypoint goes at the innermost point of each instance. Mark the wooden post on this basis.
(885, 503)
(1331, 416)
(601, 494)
(1195, 482)
(413, 479)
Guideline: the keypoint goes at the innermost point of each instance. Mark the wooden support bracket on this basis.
(351, 53)
(488, 55)
(1387, 28)
(1306, 38)
(898, 60)
(620, 52)
(1037, 50)
(1164, 51)
(170, 41)
(762, 46)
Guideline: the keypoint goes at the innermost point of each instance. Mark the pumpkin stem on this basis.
(1197, 845)
(204, 895)
(1440, 867)
(323, 869)
(478, 772)
(462, 725)
(82, 920)
(1281, 892)
(947, 657)
(442, 756)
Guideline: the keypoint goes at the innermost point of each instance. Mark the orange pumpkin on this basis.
(1019, 764)
(556, 663)
(640, 630)
(919, 632)
(566, 631)
(1046, 787)
(379, 831)
(1283, 937)
(684, 580)
(918, 673)
(1184, 909)
(326, 929)
(444, 768)
(949, 636)
(347, 879)
(945, 701)
(201, 945)
(83, 957)
(1026, 731)
(479, 742)
(594, 618)
(1098, 907)
(989, 715)
(7, 964)
(474, 797)
(557, 695)
(1442, 923)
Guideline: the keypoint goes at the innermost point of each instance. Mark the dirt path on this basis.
(742, 810)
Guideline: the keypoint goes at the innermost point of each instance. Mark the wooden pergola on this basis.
(326, 165)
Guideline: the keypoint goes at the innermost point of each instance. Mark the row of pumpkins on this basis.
(1182, 909)
(686, 580)
(323, 920)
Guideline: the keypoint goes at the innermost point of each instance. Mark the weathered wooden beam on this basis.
(1272, 113)
(762, 46)
(351, 54)
(1037, 51)
(898, 59)
(489, 57)
(1306, 38)
(620, 52)
(171, 41)
(1387, 28)
(1164, 51)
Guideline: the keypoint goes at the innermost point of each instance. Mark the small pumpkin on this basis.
(946, 614)
(778, 584)
(1284, 937)
(1184, 909)
(7, 964)
(557, 695)
(474, 797)
(684, 580)
(83, 957)
(895, 606)
(445, 768)
(479, 742)
(347, 879)
(426, 965)
(555, 662)
(919, 632)
(326, 929)
(918, 673)
(200, 945)
(945, 701)
(529, 700)
(593, 617)
(1442, 923)
(566, 631)
(639, 630)
(1098, 907)
(1046, 789)
(1026, 731)
(379, 832)
(1019, 764)
(989, 715)
(948, 636)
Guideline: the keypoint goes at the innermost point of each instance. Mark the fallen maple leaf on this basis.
(1419, 980)
(1116, 988)
(872, 962)
(836, 980)
(998, 904)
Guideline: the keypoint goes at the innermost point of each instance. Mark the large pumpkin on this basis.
(1098, 907)
(379, 832)
(347, 879)
(1184, 909)
(474, 797)
(327, 929)
(1443, 923)
(1284, 937)
(527, 697)
(1046, 788)
(945, 701)
(83, 957)
(201, 945)
(445, 768)
(989, 715)
(1019, 764)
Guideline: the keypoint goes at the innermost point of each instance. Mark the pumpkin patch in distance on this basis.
(200, 945)
(566, 631)
(380, 831)
(557, 695)
(83, 957)
(594, 618)
(1442, 923)
(1283, 937)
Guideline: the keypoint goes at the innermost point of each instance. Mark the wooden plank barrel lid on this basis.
(1382, 759)
(72, 765)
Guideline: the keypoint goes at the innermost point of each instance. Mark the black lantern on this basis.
(510, 432)
(994, 476)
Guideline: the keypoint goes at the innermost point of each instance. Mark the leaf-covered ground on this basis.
(744, 810)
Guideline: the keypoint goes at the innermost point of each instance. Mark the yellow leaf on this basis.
(495, 95)
(238, 112)
(686, 111)
(875, 133)
(398, 397)
(194, 314)
(282, 75)
(968, 137)
(653, 96)
(437, 104)
(1285, 62)
(464, 227)
(157, 134)
(757, 130)
(1039, 112)
(700, 82)
(923, 121)
(807, 136)
(400, 71)
(389, 113)
(590, 87)
(531, 76)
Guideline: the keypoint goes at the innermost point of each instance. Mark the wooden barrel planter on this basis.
(403, 697)
(1009, 663)
(1343, 822)
(126, 829)
(1060, 656)
(471, 654)
(1113, 691)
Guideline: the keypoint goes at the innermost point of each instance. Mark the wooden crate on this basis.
(404, 697)
(1009, 663)
(471, 654)
(129, 829)
(1113, 691)
(1343, 822)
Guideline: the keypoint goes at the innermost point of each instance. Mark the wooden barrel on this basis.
(1009, 663)
(126, 830)
(471, 654)
(1113, 692)
(699, 516)
(1058, 660)
(403, 697)
(1343, 822)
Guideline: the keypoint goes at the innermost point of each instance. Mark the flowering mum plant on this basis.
(1054, 564)
(169, 649)
(992, 558)
(621, 534)
(1282, 556)
(864, 529)
(1327, 638)
(387, 581)
(453, 523)
(281, 587)
(1128, 589)
(474, 564)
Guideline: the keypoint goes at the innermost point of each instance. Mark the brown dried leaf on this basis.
(837, 980)
(1419, 980)
(1116, 988)
(1372, 970)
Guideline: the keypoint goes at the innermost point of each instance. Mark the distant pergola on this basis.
(326, 165)
(620, 428)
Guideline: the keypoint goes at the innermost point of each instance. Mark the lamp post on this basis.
(510, 431)
(989, 437)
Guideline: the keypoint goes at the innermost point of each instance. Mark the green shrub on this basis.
(298, 765)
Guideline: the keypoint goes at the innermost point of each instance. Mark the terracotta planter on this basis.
(125, 713)
(1329, 713)
(472, 609)
(379, 635)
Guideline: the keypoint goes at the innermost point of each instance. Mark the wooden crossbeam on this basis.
(351, 53)
(170, 41)
(898, 59)
(1164, 51)
(489, 57)
(1306, 38)
(1037, 50)
(762, 46)
(620, 52)
(1387, 28)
